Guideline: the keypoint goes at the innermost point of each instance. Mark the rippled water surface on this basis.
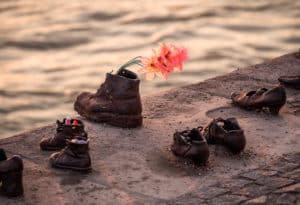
(52, 50)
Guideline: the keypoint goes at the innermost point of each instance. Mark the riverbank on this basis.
(135, 166)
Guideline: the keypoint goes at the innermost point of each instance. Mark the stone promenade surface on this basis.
(135, 166)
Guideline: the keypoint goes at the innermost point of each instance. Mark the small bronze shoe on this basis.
(290, 81)
(226, 132)
(117, 102)
(66, 129)
(272, 99)
(74, 156)
(190, 144)
(11, 176)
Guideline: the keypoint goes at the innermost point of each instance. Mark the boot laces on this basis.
(59, 127)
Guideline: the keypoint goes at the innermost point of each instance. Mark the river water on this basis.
(52, 50)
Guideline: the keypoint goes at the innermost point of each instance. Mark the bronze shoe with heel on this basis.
(272, 99)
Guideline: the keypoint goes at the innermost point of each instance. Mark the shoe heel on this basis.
(12, 183)
(274, 110)
(126, 121)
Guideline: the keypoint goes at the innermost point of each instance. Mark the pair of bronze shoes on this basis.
(11, 174)
(72, 141)
(193, 143)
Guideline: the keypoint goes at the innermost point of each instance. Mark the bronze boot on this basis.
(74, 156)
(64, 131)
(3, 157)
(11, 176)
(190, 144)
(226, 132)
(290, 81)
(272, 99)
(117, 101)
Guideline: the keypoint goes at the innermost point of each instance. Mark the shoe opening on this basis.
(195, 135)
(72, 122)
(251, 93)
(127, 74)
(231, 124)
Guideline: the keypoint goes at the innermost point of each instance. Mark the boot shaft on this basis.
(67, 129)
(120, 87)
(12, 164)
(70, 130)
(75, 156)
(123, 92)
(78, 146)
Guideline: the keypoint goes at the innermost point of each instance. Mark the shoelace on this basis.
(59, 128)
(207, 128)
(184, 135)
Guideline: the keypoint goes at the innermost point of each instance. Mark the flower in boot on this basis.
(162, 62)
(154, 65)
(165, 61)
(178, 56)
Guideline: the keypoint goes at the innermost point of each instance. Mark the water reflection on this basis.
(52, 50)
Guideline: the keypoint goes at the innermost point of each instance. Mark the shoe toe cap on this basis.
(234, 95)
(44, 143)
(83, 97)
(53, 158)
(82, 101)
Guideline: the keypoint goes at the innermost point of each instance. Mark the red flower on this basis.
(165, 61)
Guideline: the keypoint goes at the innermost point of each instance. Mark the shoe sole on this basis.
(296, 87)
(124, 121)
(14, 180)
(85, 169)
(272, 109)
(51, 148)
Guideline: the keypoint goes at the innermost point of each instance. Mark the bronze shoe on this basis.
(74, 156)
(190, 144)
(272, 99)
(290, 81)
(3, 157)
(63, 132)
(226, 132)
(11, 176)
(117, 101)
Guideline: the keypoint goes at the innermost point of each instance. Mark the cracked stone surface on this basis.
(135, 166)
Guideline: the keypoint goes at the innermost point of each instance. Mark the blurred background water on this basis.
(52, 50)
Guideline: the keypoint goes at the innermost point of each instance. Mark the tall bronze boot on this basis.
(117, 101)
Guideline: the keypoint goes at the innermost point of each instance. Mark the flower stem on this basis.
(135, 61)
